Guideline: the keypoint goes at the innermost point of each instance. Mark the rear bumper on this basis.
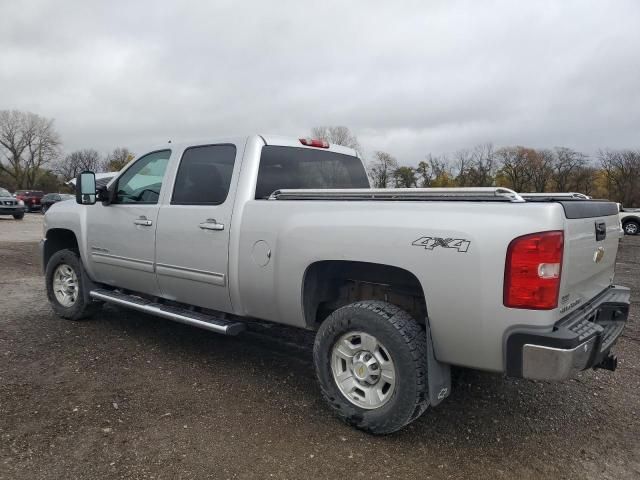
(583, 339)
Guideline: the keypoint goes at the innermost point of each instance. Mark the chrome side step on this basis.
(182, 315)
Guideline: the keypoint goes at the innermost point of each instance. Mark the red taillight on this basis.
(314, 142)
(532, 271)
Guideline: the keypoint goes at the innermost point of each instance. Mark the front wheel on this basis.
(19, 216)
(631, 228)
(67, 286)
(371, 363)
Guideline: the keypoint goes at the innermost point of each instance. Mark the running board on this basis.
(177, 314)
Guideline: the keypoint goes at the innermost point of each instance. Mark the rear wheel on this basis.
(371, 363)
(67, 286)
(631, 228)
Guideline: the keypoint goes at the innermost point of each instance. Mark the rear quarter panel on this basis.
(463, 289)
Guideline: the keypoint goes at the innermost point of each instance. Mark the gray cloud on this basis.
(406, 77)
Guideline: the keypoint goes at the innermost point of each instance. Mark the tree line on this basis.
(612, 173)
(32, 157)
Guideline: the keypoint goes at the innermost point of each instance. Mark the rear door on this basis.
(192, 240)
(592, 234)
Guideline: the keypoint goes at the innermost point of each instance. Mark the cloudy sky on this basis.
(406, 77)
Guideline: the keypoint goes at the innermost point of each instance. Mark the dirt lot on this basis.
(129, 396)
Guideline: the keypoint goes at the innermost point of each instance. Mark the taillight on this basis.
(532, 271)
(314, 142)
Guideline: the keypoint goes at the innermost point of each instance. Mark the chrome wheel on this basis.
(65, 285)
(363, 370)
(631, 228)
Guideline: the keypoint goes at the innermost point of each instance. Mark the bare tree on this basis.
(117, 159)
(79, 161)
(483, 165)
(622, 172)
(541, 169)
(566, 162)
(516, 167)
(463, 164)
(584, 180)
(28, 143)
(381, 169)
(337, 135)
(440, 172)
(476, 167)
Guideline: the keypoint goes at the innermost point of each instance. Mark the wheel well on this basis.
(630, 219)
(58, 239)
(331, 284)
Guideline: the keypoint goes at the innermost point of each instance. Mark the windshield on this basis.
(4, 193)
(291, 167)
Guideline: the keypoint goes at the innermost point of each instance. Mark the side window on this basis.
(204, 175)
(141, 183)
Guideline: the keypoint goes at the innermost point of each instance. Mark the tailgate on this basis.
(592, 233)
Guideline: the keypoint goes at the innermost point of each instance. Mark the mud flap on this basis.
(438, 375)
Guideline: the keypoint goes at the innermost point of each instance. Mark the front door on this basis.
(121, 235)
(192, 240)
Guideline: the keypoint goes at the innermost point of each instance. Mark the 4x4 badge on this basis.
(429, 243)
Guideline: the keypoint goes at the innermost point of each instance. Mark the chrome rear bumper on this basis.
(548, 363)
(581, 340)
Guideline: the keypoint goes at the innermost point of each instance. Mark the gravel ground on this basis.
(126, 395)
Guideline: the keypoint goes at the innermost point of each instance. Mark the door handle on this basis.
(211, 224)
(143, 221)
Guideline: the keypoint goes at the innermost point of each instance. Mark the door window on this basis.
(141, 183)
(204, 175)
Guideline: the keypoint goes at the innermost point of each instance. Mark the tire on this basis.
(43, 210)
(19, 216)
(631, 227)
(400, 338)
(82, 306)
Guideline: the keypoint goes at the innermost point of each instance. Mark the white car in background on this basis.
(630, 220)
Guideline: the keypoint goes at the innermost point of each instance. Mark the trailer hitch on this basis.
(610, 362)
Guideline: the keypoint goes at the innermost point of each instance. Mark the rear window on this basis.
(290, 167)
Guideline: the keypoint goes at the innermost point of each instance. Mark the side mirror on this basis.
(86, 188)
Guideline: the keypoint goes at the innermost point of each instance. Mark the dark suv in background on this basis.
(51, 198)
(31, 199)
(10, 205)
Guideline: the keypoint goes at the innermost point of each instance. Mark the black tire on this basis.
(83, 307)
(19, 216)
(403, 338)
(634, 227)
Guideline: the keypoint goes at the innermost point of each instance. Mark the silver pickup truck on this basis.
(399, 284)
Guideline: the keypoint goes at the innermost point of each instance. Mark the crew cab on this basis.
(398, 284)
